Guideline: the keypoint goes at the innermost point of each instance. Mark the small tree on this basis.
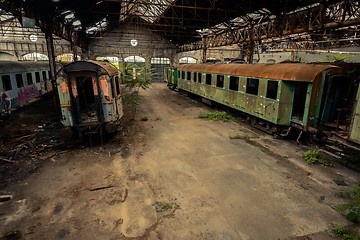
(136, 78)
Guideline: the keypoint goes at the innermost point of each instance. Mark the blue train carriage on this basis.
(276, 97)
(24, 81)
(90, 97)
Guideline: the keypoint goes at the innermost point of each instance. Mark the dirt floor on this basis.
(167, 175)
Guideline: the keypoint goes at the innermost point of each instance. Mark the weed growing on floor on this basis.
(352, 209)
(163, 206)
(344, 234)
(313, 157)
(144, 118)
(245, 137)
(217, 116)
(13, 234)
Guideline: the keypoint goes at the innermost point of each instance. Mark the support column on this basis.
(251, 45)
(148, 60)
(204, 50)
(52, 65)
(73, 46)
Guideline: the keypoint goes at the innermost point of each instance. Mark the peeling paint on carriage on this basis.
(95, 101)
(305, 96)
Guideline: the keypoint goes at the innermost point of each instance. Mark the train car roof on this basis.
(282, 71)
(90, 65)
(21, 66)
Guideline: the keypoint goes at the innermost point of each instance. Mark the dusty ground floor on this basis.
(170, 175)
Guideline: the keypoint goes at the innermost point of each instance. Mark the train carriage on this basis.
(90, 97)
(24, 81)
(275, 96)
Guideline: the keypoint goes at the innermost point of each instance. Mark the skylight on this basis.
(149, 10)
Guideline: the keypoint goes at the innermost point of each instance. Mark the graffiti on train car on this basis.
(27, 94)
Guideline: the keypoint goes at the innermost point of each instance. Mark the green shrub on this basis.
(217, 116)
(353, 207)
(313, 157)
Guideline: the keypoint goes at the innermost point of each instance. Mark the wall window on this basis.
(220, 81)
(252, 86)
(6, 82)
(188, 77)
(199, 77)
(183, 74)
(195, 77)
(208, 79)
(234, 83)
(37, 77)
(272, 89)
(19, 80)
(44, 75)
(29, 79)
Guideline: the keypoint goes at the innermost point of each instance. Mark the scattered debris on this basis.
(101, 188)
(4, 198)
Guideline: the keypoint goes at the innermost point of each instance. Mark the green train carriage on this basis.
(275, 96)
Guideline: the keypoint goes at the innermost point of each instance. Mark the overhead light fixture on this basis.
(133, 42)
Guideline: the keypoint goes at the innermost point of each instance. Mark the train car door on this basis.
(118, 99)
(300, 107)
(355, 123)
(337, 102)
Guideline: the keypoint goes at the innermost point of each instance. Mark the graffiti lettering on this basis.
(27, 94)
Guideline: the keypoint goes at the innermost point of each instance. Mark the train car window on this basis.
(37, 77)
(252, 86)
(112, 80)
(117, 84)
(19, 80)
(29, 78)
(220, 81)
(6, 82)
(195, 77)
(183, 74)
(199, 77)
(234, 83)
(208, 79)
(272, 89)
(188, 77)
(44, 75)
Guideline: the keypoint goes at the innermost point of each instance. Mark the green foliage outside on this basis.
(313, 157)
(217, 116)
(352, 209)
(338, 58)
(345, 235)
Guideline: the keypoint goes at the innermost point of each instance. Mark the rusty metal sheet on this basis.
(281, 71)
(91, 65)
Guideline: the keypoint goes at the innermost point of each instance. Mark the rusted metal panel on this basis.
(284, 71)
(93, 66)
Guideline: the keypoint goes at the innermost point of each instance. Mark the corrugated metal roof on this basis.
(283, 71)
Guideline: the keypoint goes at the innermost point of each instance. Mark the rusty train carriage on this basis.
(90, 97)
(275, 96)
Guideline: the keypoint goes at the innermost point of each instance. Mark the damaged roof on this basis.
(179, 21)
